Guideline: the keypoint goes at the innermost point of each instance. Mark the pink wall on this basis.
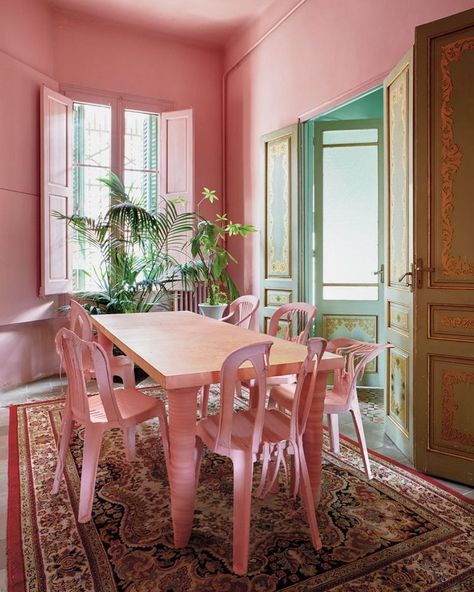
(325, 49)
(110, 56)
(38, 46)
(26, 62)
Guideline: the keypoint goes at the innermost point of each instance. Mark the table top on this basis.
(184, 349)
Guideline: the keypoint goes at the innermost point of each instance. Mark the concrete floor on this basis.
(51, 388)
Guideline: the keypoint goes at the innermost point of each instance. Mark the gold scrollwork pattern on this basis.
(398, 389)
(278, 207)
(398, 95)
(449, 407)
(451, 158)
(457, 322)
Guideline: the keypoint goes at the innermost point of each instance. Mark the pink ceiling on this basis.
(209, 22)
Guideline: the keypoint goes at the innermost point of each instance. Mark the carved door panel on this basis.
(398, 107)
(444, 248)
(280, 221)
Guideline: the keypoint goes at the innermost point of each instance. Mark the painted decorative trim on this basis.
(398, 395)
(398, 317)
(278, 263)
(276, 298)
(399, 255)
(449, 407)
(451, 158)
(452, 322)
(456, 322)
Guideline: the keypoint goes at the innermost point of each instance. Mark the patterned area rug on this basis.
(396, 532)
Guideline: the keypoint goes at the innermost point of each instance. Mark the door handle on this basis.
(419, 272)
(408, 283)
(381, 273)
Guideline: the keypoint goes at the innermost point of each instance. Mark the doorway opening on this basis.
(344, 225)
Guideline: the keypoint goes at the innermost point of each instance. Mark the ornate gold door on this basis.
(444, 248)
(399, 253)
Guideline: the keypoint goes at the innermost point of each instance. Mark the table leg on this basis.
(182, 437)
(313, 436)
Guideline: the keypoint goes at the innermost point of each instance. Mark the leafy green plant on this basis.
(137, 251)
(208, 248)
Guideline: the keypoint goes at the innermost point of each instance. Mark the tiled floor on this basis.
(51, 388)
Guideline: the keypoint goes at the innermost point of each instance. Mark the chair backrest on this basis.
(357, 355)
(81, 325)
(297, 318)
(72, 351)
(242, 310)
(257, 354)
(305, 386)
(79, 321)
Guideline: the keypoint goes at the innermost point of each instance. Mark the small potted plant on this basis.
(208, 248)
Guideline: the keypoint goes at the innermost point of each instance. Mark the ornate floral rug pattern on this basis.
(396, 532)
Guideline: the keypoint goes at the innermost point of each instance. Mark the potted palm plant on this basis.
(136, 250)
(211, 258)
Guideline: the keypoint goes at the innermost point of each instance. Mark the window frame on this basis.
(118, 103)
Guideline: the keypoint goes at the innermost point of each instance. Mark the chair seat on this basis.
(242, 429)
(286, 379)
(336, 401)
(283, 395)
(134, 407)
(276, 427)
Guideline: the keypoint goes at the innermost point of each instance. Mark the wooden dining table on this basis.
(183, 351)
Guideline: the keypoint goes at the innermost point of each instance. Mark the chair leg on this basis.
(198, 459)
(129, 440)
(204, 399)
(333, 424)
(92, 442)
(357, 419)
(64, 440)
(308, 499)
(243, 473)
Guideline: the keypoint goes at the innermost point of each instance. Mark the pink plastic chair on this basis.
(111, 408)
(297, 318)
(81, 325)
(256, 434)
(343, 396)
(242, 310)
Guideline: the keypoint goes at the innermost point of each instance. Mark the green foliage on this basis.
(211, 256)
(137, 251)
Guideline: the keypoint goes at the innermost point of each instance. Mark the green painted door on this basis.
(348, 234)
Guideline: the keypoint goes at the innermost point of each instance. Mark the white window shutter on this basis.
(56, 192)
(177, 156)
(177, 163)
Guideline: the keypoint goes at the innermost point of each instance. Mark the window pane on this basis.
(141, 141)
(351, 136)
(142, 186)
(92, 160)
(350, 210)
(92, 134)
(350, 293)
